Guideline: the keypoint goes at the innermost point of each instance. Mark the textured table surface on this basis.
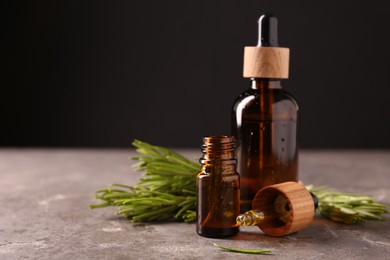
(45, 194)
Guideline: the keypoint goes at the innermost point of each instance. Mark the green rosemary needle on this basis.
(245, 251)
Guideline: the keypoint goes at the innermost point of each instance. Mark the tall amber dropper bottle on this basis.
(265, 117)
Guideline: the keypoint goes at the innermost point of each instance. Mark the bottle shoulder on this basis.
(270, 105)
(252, 97)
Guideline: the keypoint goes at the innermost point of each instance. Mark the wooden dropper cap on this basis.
(300, 203)
(267, 59)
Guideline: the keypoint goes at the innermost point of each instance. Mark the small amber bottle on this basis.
(218, 186)
(265, 117)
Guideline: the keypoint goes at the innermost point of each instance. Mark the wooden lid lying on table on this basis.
(300, 207)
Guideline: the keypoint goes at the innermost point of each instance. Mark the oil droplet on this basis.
(283, 139)
(282, 149)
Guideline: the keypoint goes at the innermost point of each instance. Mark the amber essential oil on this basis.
(218, 186)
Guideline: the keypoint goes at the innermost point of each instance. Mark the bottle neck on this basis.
(263, 83)
(218, 150)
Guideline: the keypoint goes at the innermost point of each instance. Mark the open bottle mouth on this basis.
(218, 142)
(218, 149)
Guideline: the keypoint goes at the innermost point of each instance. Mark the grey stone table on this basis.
(44, 198)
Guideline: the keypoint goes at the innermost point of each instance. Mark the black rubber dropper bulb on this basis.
(315, 200)
(268, 31)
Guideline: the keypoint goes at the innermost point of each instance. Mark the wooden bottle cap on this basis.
(300, 203)
(266, 62)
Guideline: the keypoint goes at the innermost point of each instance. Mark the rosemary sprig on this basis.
(245, 251)
(167, 190)
(346, 207)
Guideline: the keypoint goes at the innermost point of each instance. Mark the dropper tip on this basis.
(250, 218)
(240, 220)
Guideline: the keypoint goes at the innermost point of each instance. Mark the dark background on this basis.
(101, 73)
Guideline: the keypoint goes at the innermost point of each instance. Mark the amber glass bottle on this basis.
(265, 117)
(218, 185)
